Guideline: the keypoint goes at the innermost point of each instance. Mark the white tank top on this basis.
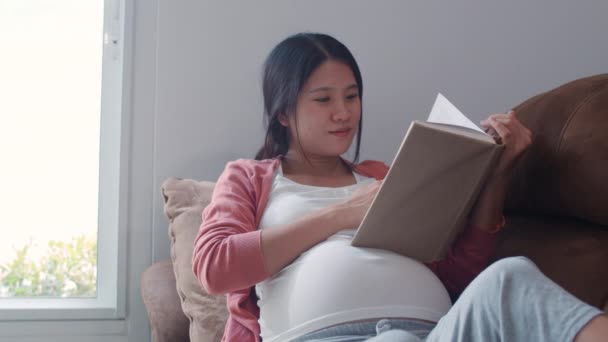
(333, 282)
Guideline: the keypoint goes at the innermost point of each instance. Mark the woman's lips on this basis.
(341, 133)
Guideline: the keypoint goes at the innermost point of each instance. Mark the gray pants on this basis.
(509, 301)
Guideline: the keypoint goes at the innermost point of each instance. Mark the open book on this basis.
(431, 186)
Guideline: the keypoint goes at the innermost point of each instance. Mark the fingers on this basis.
(502, 129)
(510, 130)
(503, 117)
(498, 134)
(509, 121)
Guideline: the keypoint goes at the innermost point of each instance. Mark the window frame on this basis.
(110, 303)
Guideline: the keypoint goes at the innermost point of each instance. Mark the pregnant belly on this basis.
(335, 279)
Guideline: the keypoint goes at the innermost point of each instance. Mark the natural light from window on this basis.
(50, 91)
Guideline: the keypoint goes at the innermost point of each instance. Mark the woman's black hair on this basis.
(287, 68)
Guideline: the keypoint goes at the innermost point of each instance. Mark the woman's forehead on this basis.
(331, 75)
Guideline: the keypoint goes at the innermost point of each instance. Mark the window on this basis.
(62, 142)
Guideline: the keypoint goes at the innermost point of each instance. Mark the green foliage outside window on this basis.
(68, 269)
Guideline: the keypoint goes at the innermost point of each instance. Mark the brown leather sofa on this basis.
(557, 214)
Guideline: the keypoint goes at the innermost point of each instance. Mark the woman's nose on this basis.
(341, 111)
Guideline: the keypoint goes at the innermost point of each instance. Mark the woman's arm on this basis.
(231, 254)
(281, 245)
(227, 252)
(467, 257)
(472, 250)
(487, 212)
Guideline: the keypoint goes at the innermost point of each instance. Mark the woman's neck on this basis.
(295, 163)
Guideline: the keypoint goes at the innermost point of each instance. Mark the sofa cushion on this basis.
(167, 319)
(185, 200)
(564, 171)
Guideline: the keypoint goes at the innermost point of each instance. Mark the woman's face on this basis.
(328, 112)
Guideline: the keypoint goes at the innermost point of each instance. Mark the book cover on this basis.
(431, 186)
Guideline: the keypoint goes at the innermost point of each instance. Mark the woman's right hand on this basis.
(281, 245)
(352, 210)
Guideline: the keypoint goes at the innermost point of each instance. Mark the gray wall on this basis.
(205, 105)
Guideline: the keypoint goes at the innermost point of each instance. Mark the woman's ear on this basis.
(283, 120)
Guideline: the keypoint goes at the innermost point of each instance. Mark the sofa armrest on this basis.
(167, 320)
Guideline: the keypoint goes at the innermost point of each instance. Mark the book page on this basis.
(461, 130)
(444, 112)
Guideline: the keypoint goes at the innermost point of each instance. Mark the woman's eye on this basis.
(352, 96)
(322, 99)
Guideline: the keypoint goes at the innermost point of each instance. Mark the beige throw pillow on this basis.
(185, 200)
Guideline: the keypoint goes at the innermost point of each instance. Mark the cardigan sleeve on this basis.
(468, 256)
(227, 250)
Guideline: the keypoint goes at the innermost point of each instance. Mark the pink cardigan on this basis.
(228, 258)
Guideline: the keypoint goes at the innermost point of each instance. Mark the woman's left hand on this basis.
(487, 214)
(515, 137)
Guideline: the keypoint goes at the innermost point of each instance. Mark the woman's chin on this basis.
(337, 152)
(332, 150)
